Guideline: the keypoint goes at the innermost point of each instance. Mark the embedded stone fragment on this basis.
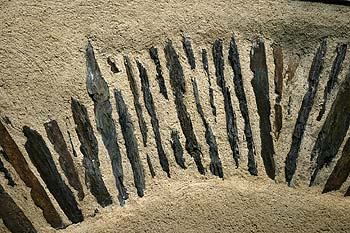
(55, 136)
(211, 91)
(41, 157)
(333, 130)
(136, 95)
(278, 80)
(131, 145)
(178, 84)
(215, 162)
(12, 216)
(186, 43)
(243, 105)
(231, 126)
(333, 77)
(89, 149)
(149, 103)
(111, 62)
(177, 148)
(38, 194)
(304, 112)
(98, 90)
(150, 166)
(159, 76)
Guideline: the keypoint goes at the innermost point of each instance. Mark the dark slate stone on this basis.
(37, 192)
(231, 126)
(215, 162)
(278, 80)
(211, 91)
(131, 146)
(177, 148)
(340, 172)
(136, 95)
(178, 84)
(159, 76)
(55, 136)
(333, 77)
(150, 166)
(151, 109)
(243, 105)
(112, 64)
(12, 216)
(99, 92)
(7, 174)
(71, 141)
(333, 130)
(186, 43)
(41, 157)
(89, 149)
(304, 112)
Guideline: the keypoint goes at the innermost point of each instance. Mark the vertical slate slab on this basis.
(89, 149)
(38, 194)
(136, 95)
(186, 43)
(7, 174)
(215, 162)
(340, 172)
(333, 130)
(304, 112)
(151, 109)
(243, 105)
(99, 92)
(41, 157)
(211, 91)
(12, 216)
(150, 166)
(278, 80)
(131, 146)
(55, 136)
(260, 83)
(177, 148)
(333, 77)
(153, 52)
(231, 126)
(177, 81)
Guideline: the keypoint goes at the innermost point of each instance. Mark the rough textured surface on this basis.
(132, 149)
(159, 76)
(89, 149)
(278, 81)
(98, 90)
(177, 148)
(211, 90)
(260, 83)
(304, 112)
(65, 158)
(186, 43)
(41, 157)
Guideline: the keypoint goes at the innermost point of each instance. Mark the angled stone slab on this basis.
(159, 76)
(211, 90)
(187, 45)
(177, 148)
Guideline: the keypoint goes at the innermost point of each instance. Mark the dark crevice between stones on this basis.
(340, 172)
(42, 159)
(131, 145)
(136, 95)
(278, 81)
(215, 162)
(186, 43)
(333, 77)
(333, 130)
(89, 149)
(243, 105)
(150, 166)
(177, 148)
(177, 81)
(260, 83)
(70, 139)
(231, 126)
(111, 62)
(55, 136)
(151, 109)
(6, 172)
(211, 90)
(98, 90)
(12, 216)
(159, 76)
(304, 112)
(37, 192)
